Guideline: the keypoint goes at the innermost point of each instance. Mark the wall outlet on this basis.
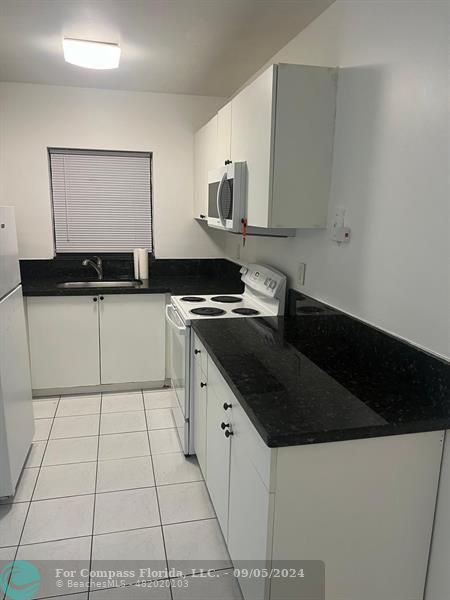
(301, 273)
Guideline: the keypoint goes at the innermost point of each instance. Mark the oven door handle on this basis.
(219, 197)
(172, 323)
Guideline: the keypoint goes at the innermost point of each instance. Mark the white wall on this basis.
(390, 172)
(34, 117)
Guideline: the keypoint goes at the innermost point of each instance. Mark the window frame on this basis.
(95, 151)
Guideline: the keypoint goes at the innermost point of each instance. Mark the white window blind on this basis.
(102, 201)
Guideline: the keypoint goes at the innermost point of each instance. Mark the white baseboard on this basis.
(105, 388)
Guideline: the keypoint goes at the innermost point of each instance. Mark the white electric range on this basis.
(263, 296)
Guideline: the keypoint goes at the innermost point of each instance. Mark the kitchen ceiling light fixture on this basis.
(91, 55)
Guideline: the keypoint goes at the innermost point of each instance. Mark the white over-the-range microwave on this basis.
(227, 196)
(227, 202)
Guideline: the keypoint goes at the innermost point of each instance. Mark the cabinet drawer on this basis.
(261, 456)
(200, 355)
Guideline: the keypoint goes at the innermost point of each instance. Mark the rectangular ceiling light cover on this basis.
(91, 55)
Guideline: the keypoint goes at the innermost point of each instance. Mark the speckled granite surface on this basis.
(322, 376)
(173, 276)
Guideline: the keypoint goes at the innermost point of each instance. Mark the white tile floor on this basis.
(106, 480)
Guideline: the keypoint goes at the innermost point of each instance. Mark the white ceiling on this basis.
(206, 47)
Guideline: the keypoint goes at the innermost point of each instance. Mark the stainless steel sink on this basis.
(120, 283)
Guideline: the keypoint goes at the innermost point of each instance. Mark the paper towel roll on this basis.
(143, 263)
(136, 262)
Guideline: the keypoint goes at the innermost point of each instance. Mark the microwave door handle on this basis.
(219, 198)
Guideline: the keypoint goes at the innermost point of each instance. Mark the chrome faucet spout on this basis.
(97, 265)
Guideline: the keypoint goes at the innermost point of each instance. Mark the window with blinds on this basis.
(102, 200)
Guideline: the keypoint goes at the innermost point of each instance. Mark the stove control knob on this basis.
(273, 284)
(266, 281)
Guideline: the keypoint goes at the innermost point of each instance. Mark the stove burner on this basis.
(192, 299)
(245, 311)
(310, 310)
(208, 311)
(227, 299)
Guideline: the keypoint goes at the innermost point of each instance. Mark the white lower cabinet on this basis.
(132, 338)
(362, 509)
(199, 388)
(438, 580)
(250, 516)
(218, 459)
(64, 341)
(80, 341)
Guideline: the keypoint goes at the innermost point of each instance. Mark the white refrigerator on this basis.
(16, 410)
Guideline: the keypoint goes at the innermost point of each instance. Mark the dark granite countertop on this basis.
(175, 284)
(177, 277)
(324, 376)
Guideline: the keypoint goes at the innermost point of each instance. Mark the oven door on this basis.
(179, 372)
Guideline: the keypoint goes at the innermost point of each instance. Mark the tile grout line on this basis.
(156, 492)
(95, 498)
(74, 537)
(77, 437)
(98, 493)
(78, 537)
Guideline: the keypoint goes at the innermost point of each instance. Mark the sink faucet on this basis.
(97, 265)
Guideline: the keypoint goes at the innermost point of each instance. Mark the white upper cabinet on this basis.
(283, 127)
(223, 135)
(251, 135)
(205, 151)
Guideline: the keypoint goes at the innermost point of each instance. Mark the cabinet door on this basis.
(223, 135)
(132, 338)
(205, 150)
(64, 345)
(249, 529)
(251, 136)
(199, 410)
(218, 459)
